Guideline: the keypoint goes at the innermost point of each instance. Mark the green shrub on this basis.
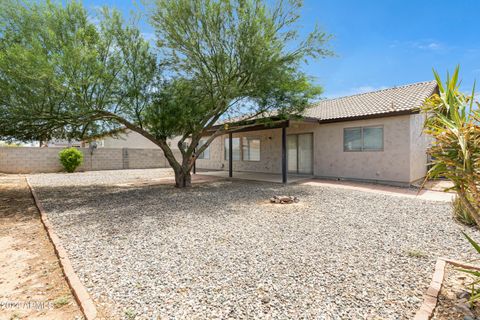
(70, 159)
(473, 287)
(60, 302)
(461, 214)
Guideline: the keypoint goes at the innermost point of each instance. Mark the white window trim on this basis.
(361, 131)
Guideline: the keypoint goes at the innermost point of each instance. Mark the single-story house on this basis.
(375, 136)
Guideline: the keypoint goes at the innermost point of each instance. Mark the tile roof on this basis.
(397, 99)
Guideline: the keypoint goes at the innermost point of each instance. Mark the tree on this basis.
(234, 56)
(453, 122)
(60, 73)
(221, 58)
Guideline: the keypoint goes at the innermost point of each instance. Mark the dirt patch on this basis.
(453, 298)
(32, 284)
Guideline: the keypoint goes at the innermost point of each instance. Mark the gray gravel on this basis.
(107, 177)
(221, 250)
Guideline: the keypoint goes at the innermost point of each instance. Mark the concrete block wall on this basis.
(26, 160)
(146, 158)
(101, 159)
(37, 160)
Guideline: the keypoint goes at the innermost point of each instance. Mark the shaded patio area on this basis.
(255, 176)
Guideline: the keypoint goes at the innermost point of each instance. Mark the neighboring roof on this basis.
(407, 98)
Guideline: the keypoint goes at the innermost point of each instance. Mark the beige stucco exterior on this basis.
(133, 140)
(129, 139)
(419, 143)
(403, 159)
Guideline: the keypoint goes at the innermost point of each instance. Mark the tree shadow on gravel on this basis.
(93, 206)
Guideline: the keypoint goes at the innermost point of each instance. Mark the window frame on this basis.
(226, 145)
(361, 139)
(362, 149)
(201, 156)
(248, 139)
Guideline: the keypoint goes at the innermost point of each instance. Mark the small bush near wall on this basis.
(70, 159)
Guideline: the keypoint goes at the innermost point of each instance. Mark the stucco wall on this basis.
(398, 162)
(129, 139)
(419, 143)
(392, 164)
(403, 159)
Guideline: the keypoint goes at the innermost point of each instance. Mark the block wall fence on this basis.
(37, 160)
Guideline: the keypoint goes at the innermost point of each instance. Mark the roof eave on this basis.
(371, 116)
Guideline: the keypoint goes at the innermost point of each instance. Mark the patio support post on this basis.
(194, 167)
(284, 155)
(230, 155)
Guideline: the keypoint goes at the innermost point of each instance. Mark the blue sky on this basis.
(384, 43)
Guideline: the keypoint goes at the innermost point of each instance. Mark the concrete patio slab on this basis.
(256, 176)
(383, 189)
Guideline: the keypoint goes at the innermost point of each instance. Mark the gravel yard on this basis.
(220, 250)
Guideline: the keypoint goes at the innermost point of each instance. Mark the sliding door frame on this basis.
(297, 145)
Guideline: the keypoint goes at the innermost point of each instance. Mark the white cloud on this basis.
(428, 45)
(422, 44)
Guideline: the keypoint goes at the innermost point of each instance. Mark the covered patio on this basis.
(284, 143)
(256, 176)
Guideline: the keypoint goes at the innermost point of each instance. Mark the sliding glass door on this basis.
(300, 153)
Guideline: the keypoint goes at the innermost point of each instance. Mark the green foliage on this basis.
(453, 122)
(238, 56)
(473, 286)
(62, 76)
(9, 145)
(59, 71)
(130, 314)
(229, 58)
(461, 214)
(414, 253)
(70, 158)
(60, 302)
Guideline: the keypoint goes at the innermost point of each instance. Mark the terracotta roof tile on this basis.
(391, 100)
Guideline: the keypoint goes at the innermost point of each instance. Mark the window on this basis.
(206, 153)
(251, 149)
(352, 139)
(363, 139)
(373, 138)
(235, 151)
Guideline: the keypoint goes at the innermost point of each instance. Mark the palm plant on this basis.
(453, 121)
(473, 286)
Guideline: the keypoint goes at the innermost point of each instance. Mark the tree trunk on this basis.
(183, 179)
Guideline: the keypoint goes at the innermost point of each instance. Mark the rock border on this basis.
(430, 299)
(79, 291)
